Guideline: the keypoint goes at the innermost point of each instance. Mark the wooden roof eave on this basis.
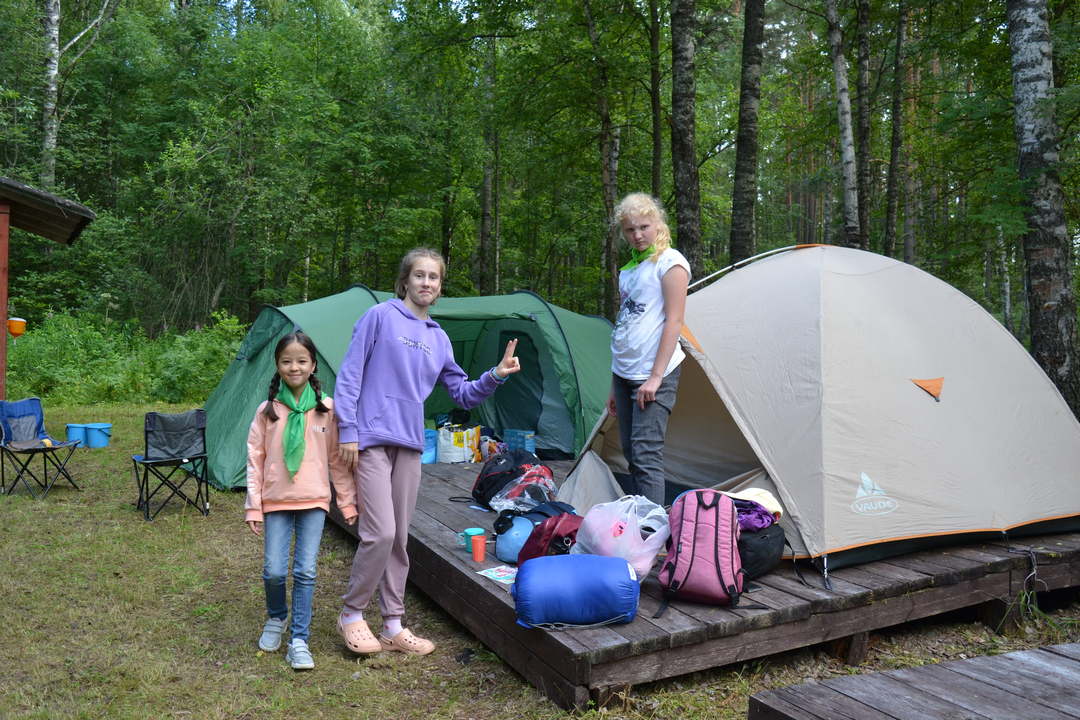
(44, 214)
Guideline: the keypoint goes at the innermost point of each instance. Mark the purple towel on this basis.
(752, 516)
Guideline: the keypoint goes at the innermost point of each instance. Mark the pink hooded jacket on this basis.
(269, 486)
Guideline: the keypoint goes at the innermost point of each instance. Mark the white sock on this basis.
(350, 616)
(391, 627)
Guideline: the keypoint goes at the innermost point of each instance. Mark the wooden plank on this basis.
(819, 701)
(1048, 549)
(964, 568)
(843, 596)
(905, 580)
(682, 628)
(940, 574)
(902, 701)
(974, 695)
(819, 627)
(1065, 542)
(1048, 577)
(639, 636)
(717, 621)
(769, 705)
(1028, 675)
(882, 586)
(785, 607)
(995, 559)
(1070, 650)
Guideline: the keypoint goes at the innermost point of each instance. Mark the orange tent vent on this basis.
(932, 386)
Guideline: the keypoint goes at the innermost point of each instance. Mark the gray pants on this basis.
(642, 432)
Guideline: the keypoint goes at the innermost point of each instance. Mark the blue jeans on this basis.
(278, 530)
(642, 432)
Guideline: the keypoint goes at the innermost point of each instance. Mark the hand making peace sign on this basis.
(509, 363)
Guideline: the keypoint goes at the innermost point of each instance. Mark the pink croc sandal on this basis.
(408, 643)
(359, 638)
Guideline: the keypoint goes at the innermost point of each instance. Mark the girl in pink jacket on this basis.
(292, 457)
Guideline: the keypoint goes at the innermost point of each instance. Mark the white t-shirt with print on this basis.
(638, 327)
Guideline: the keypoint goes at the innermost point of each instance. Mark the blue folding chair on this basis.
(22, 425)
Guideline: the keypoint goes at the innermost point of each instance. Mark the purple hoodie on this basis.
(392, 364)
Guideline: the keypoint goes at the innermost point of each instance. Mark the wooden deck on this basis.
(1041, 684)
(573, 666)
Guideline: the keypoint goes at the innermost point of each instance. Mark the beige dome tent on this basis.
(884, 408)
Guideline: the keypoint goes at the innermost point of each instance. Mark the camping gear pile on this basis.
(585, 570)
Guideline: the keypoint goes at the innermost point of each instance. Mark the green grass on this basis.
(108, 616)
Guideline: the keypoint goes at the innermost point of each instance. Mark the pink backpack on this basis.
(702, 562)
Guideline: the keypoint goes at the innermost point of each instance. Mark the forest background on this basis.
(244, 152)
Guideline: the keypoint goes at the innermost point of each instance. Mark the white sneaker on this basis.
(298, 656)
(270, 640)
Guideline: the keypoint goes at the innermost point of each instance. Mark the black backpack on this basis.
(500, 470)
(761, 551)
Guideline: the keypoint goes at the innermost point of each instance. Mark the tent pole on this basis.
(749, 260)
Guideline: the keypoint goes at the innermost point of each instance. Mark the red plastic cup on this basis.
(479, 547)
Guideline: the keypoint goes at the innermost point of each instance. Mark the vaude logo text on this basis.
(871, 499)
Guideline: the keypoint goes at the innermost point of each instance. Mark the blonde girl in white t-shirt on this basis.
(645, 352)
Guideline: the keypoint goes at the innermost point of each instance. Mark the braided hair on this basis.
(275, 382)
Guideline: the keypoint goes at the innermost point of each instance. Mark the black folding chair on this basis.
(22, 425)
(175, 456)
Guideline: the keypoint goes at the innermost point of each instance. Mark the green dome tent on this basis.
(560, 392)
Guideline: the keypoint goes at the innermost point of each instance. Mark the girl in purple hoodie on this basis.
(396, 356)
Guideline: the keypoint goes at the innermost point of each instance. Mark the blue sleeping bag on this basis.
(557, 591)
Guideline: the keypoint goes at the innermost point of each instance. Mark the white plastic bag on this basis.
(458, 443)
(632, 527)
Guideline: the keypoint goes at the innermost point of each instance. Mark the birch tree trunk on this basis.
(683, 121)
(1046, 243)
(896, 142)
(862, 105)
(744, 190)
(54, 53)
(847, 141)
(50, 121)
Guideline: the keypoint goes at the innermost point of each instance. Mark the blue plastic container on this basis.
(431, 447)
(98, 434)
(520, 440)
(76, 432)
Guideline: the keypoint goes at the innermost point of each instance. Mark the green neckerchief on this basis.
(293, 438)
(638, 256)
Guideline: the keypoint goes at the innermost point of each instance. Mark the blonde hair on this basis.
(407, 263)
(645, 205)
